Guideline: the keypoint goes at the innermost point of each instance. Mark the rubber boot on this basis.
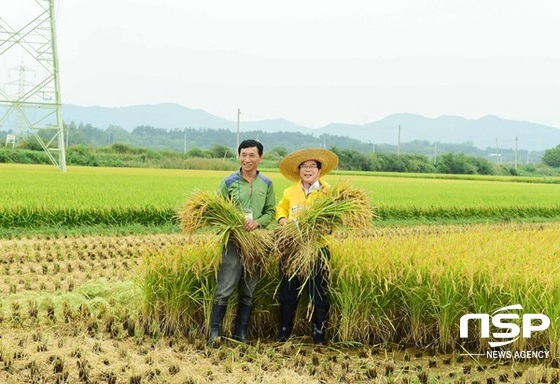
(319, 324)
(287, 315)
(218, 313)
(242, 322)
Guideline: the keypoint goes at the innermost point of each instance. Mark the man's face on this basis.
(249, 159)
(309, 172)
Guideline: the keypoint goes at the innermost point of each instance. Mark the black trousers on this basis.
(317, 285)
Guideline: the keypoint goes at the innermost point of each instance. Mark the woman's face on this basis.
(309, 172)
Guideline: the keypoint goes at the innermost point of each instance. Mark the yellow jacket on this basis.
(294, 200)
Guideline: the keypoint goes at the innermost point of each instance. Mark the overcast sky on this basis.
(315, 62)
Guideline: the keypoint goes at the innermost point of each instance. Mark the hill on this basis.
(168, 116)
(485, 132)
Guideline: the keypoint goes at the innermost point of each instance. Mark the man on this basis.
(254, 193)
(305, 167)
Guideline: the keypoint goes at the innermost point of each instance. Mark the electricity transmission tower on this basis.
(30, 100)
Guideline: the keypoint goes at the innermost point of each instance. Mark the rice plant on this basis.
(299, 241)
(177, 284)
(221, 215)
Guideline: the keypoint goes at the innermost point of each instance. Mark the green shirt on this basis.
(258, 195)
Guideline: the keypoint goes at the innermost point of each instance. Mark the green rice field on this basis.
(35, 196)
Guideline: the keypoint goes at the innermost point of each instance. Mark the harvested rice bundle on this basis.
(213, 211)
(299, 241)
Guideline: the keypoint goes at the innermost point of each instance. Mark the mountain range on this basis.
(485, 132)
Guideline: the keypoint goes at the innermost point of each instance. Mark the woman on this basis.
(305, 167)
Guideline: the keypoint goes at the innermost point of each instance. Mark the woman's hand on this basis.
(283, 221)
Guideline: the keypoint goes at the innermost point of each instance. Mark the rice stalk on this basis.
(300, 241)
(221, 214)
(174, 281)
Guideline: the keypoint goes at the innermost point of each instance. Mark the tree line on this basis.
(183, 139)
(215, 149)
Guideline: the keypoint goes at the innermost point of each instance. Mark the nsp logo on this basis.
(498, 317)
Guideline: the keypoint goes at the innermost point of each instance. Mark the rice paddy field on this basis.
(35, 196)
(99, 285)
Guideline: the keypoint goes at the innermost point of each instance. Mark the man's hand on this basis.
(251, 225)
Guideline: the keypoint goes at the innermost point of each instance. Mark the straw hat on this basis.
(289, 166)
